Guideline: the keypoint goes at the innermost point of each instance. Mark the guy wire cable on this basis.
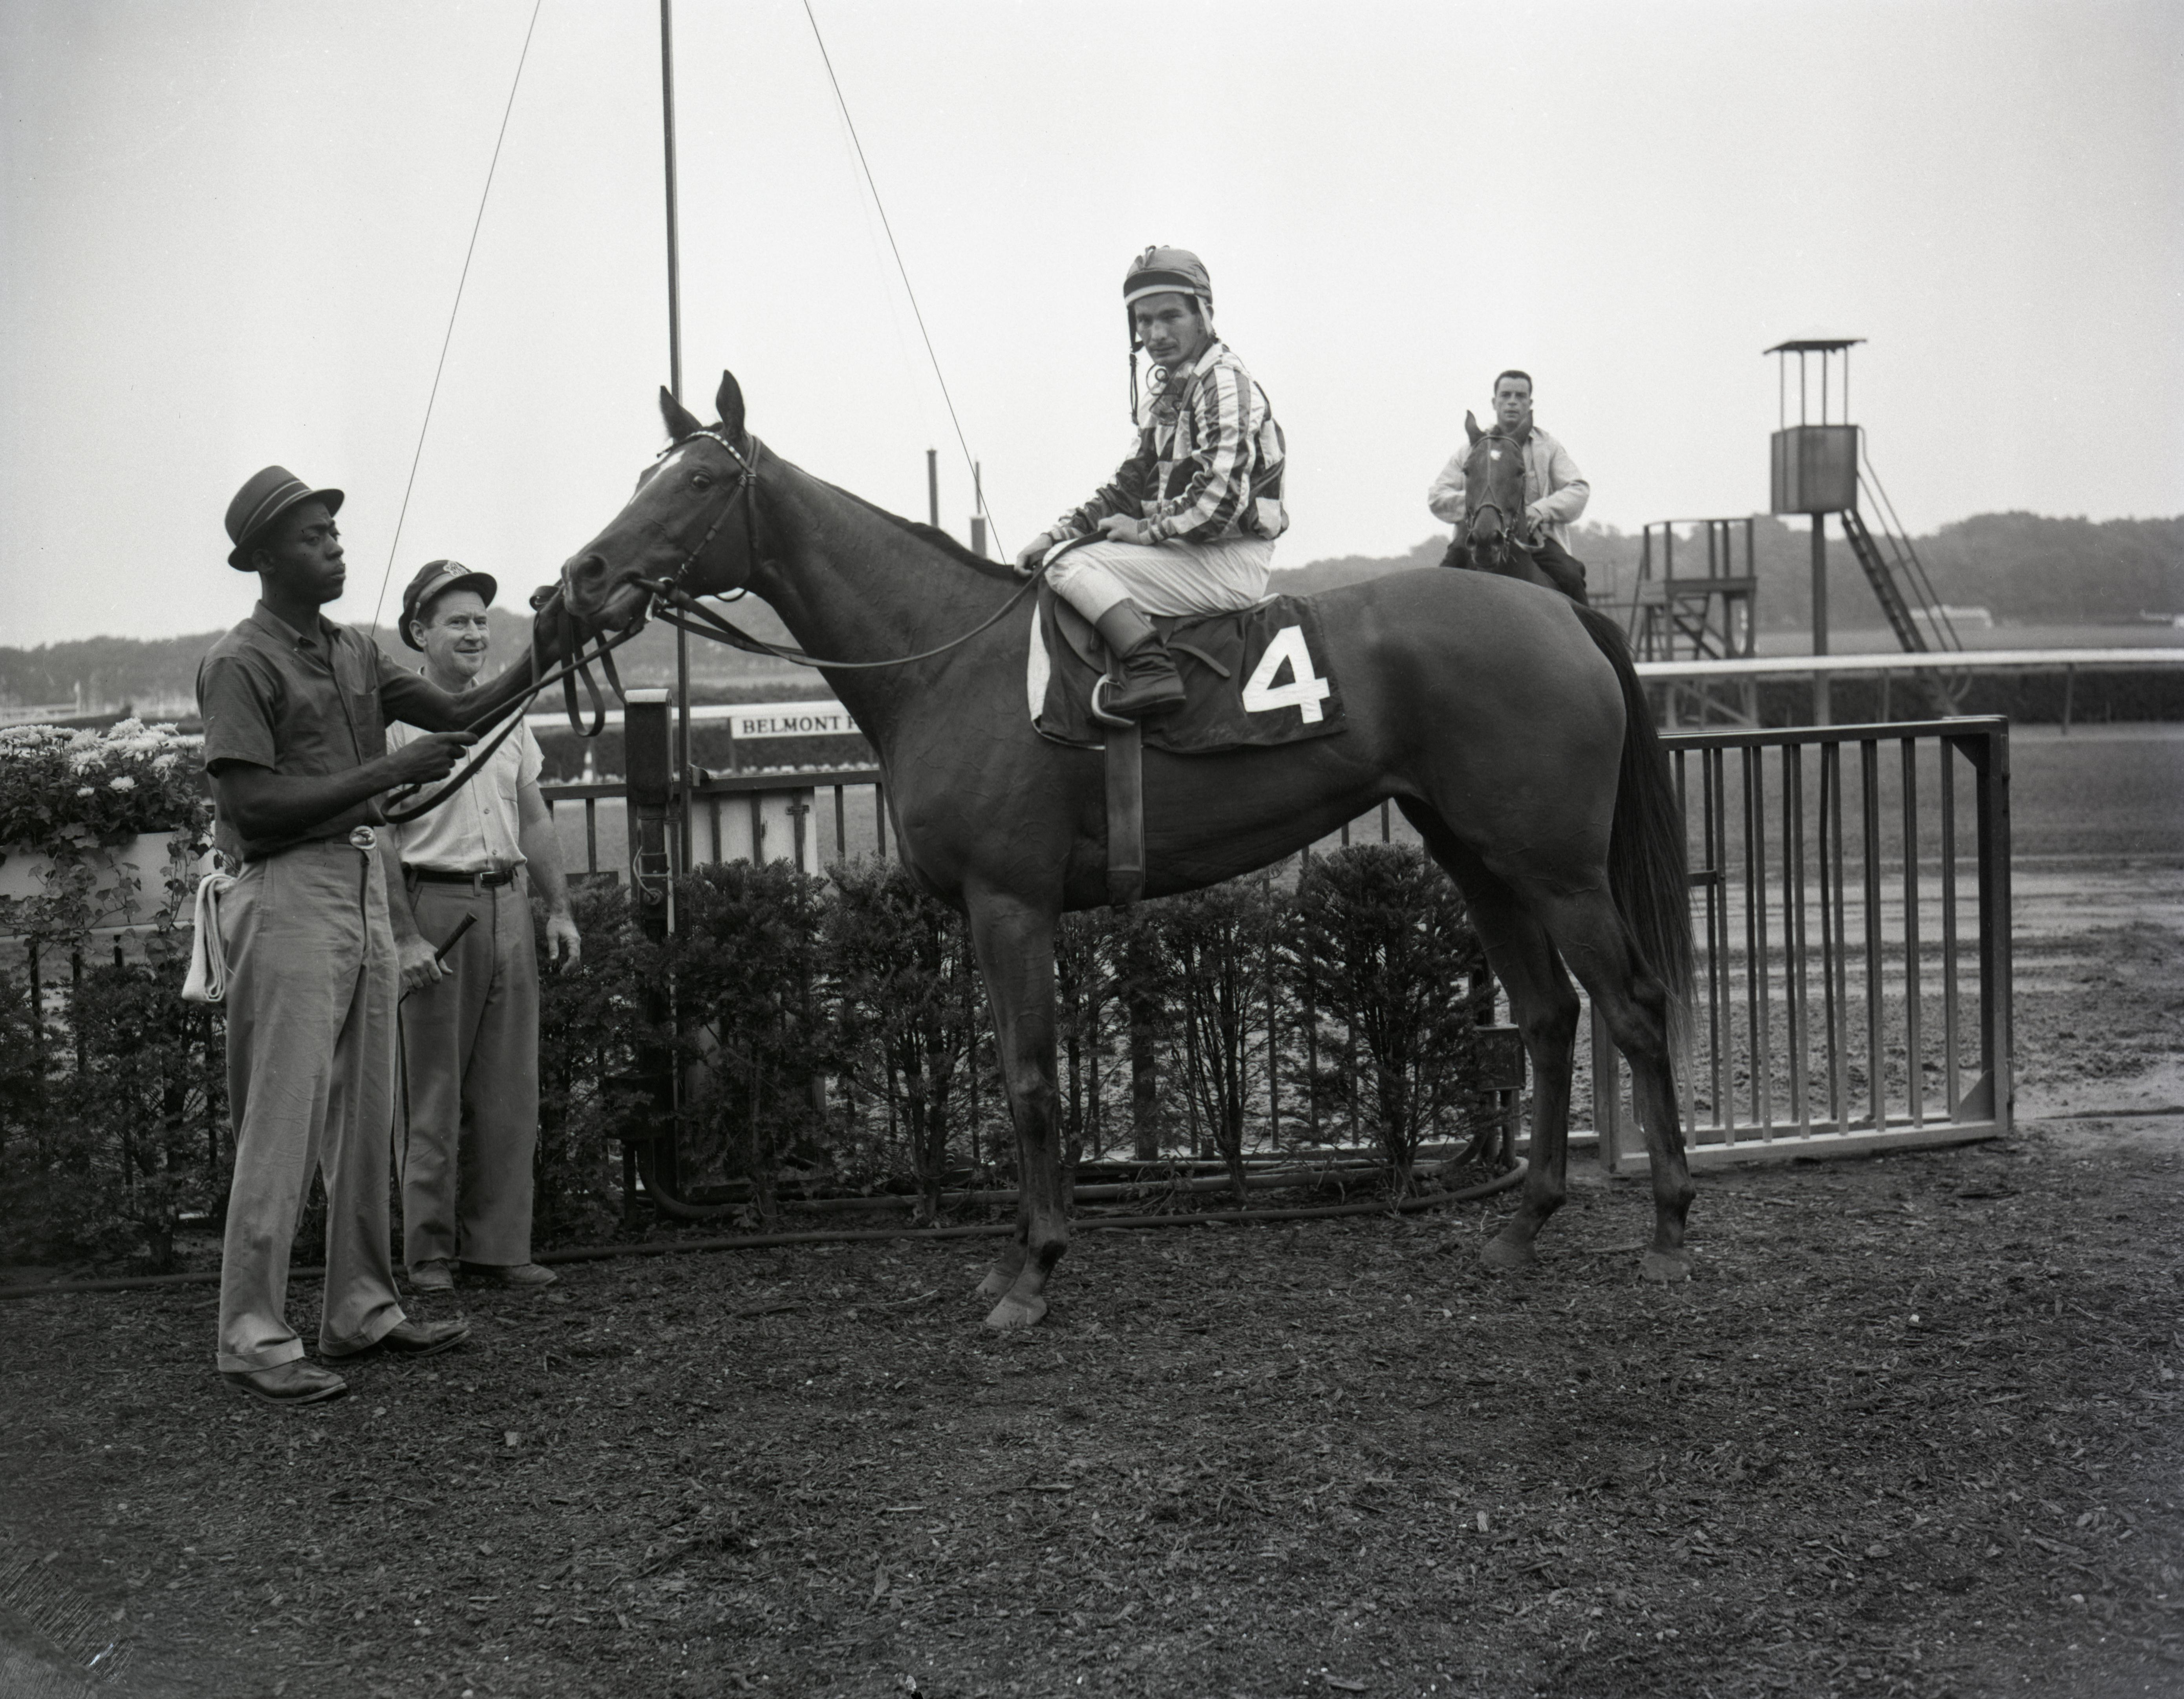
(865, 164)
(476, 223)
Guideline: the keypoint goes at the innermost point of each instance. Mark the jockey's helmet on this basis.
(1167, 271)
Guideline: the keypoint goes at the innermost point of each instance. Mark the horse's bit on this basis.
(1509, 533)
(688, 607)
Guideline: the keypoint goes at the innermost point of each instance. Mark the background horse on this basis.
(1491, 538)
(1506, 722)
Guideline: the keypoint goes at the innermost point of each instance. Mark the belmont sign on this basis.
(757, 720)
(747, 722)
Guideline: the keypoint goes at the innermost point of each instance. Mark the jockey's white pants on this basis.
(1164, 577)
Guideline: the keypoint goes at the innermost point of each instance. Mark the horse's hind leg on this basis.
(1593, 940)
(1544, 1008)
(1014, 941)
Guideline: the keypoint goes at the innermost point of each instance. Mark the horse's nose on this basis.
(588, 574)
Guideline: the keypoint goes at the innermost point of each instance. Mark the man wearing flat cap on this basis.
(469, 1018)
(295, 709)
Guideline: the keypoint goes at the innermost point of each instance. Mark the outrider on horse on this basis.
(1505, 720)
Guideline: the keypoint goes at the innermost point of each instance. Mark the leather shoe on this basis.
(288, 1383)
(432, 1275)
(508, 1274)
(409, 1339)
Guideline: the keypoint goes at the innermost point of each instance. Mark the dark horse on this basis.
(1491, 538)
(1506, 722)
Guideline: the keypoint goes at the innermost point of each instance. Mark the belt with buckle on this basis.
(485, 879)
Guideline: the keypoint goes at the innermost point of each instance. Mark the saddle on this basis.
(1255, 678)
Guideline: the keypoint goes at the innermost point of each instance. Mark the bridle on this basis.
(1508, 535)
(745, 485)
(685, 612)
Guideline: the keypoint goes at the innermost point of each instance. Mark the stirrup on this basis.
(1098, 700)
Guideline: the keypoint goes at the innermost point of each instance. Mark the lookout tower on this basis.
(1819, 466)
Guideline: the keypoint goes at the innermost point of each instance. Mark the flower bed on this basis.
(61, 788)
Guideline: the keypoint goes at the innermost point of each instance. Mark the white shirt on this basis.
(478, 829)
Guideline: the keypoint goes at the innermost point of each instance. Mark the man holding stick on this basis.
(469, 1020)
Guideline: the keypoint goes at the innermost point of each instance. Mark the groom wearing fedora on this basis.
(295, 709)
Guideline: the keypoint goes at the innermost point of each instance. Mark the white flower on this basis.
(166, 763)
(121, 781)
(85, 790)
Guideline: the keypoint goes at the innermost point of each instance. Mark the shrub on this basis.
(590, 1020)
(745, 963)
(900, 968)
(1383, 932)
(1218, 942)
(111, 1125)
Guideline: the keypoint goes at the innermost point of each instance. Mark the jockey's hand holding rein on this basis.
(1033, 552)
(1115, 527)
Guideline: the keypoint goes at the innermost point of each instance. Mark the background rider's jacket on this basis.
(1552, 484)
(1207, 467)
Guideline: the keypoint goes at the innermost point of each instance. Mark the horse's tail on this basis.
(1647, 871)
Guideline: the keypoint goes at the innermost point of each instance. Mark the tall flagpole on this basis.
(685, 774)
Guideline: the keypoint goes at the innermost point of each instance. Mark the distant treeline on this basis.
(2023, 566)
(133, 670)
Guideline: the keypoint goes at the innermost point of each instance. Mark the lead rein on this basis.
(400, 815)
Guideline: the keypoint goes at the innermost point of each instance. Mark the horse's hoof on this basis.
(1508, 1256)
(1665, 1267)
(1015, 1313)
(1003, 1274)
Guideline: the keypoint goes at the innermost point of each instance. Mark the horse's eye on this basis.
(699, 481)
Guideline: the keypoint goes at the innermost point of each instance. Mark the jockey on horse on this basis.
(1554, 492)
(1188, 521)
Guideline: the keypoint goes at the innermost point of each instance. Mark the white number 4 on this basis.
(1305, 689)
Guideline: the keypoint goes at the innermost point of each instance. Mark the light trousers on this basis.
(1164, 577)
(469, 1050)
(310, 1080)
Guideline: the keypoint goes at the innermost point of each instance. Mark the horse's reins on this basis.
(671, 590)
(689, 608)
(402, 816)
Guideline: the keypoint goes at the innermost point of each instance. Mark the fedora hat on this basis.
(268, 495)
(434, 579)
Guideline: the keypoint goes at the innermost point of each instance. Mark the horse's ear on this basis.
(680, 423)
(1471, 424)
(728, 402)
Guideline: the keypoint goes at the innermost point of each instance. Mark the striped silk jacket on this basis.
(1207, 463)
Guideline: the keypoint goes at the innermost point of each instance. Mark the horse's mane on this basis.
(931, 534)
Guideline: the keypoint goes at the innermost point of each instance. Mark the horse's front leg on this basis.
(1014, 940)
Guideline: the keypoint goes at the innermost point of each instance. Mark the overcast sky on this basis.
(230, 234)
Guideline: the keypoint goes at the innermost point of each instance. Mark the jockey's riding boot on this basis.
(1149, 684)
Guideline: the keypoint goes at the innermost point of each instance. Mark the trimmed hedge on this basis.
(832, 1036)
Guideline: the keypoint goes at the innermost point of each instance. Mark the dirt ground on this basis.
(1911, 1429)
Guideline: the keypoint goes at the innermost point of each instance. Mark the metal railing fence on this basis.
(1838, 890)
(1850, 888)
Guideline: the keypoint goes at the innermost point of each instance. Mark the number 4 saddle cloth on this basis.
(1254, 679)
